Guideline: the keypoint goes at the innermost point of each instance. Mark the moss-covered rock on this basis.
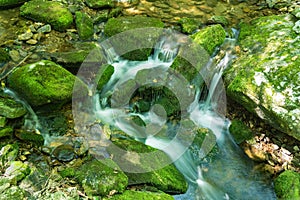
(17, 171)
(210, 37)
(30, 136)
(287, 185)
(105, 76)
(49, 12)
(141, 195)
(10, 3)
(8, 153)
(10, 108)
(101, 178)
(4, 56)
(240, 131)
(132, 45)
(100, 3)
(6, 131)
(265, 77)
(13, 192)
(167, 178)
(42, 83)
(188, 25)
(3, 121)
(84, 25)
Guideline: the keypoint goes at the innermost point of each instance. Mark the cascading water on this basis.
(231, 174)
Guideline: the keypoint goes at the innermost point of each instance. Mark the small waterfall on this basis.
(231, 174)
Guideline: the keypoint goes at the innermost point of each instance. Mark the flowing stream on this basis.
(230, 175)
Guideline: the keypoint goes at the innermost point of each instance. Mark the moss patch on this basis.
(84, 25)
(287, 185)
(240, 131)
(141, 195)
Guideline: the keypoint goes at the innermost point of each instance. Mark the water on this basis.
(231, 174)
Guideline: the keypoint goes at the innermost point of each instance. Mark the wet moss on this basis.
(30, 137)
(50, 12)
(6, 132)
(287, 185)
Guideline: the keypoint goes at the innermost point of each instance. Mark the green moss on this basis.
(128, 46)
(287, 185)
(188, 25)
(240, 131)
(4, 56)
(7, 131)
(98, 178)
(105, 76)
(100, 3)
(68, 172)
(10, 108)
(3, 121)
(210, 37)
(42, 83)
(13, 192)
(30, 136)
(84, 25)
(50, 12)
(10, 3)
(17, 171)
(141, 195)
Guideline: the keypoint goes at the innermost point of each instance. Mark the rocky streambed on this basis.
(43, 44)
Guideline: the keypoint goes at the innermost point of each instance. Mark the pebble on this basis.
(25, 36)
(15, 55)
(31, 41)
(45, 29)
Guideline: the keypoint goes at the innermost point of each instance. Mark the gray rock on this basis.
(45, 29)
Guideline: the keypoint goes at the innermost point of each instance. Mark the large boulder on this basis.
(133, 43)
(42, 83)
(265, 76)
(49, 12)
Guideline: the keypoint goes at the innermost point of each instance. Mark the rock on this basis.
(219, 20)
(278, 3)
(296, 28)
(4, 56)
(64, 153)
(50, 12)
(287, 185)
(10, 3)
(100, 178)
(30, 136)
(99, 3)
(7, 131)
(17, 171)
(25, 36)
(138, 39)
(265, 77)
(32, 41)
(8, 154)
(240, 131)
(167, 179)
(84, 25)
(189, 25)
(15, 55)
(210, 37)
(105, 76)
(13, 192)
(45, 29)
(10, 108)
(128, 194)
(42, 83)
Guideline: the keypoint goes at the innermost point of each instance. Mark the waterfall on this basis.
(231, 174)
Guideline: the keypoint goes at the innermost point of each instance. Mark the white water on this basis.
(231, 174)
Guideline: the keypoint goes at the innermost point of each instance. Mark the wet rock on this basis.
(42, 83)
(287, 185)
(139, 38)
(128, 194)
(10, 108)
(100, 178)
(167, 178)
(64, 152)
(240, 131)
(100, 3)
(6, 131)
(13, 192)
(30, 136)
(189, 25)
(53, 13)
(10, 3)
(106, 74)
(25, 36)
(84, 25)
(218, 20)
(17, 171)
(210, 37)
(265, 77)
(45, 29)
(4, 56)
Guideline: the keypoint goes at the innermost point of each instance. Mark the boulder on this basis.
(50, 12)
(265, 76)
(42, 83)
(138, 43)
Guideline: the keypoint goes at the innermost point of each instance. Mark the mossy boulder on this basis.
(287, 185)
(100, 3)
(10, 108)
(84, 24)
(4, 56)
(210, 37)
(167, 178)
(50, 12)
(240, 131)
(10, 3)
(265, 76)
(138, 43)
(101, 178)
(141, 195)
(42, 83)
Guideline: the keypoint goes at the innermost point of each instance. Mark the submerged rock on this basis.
(54, 13)
(132, 46)
(265, 77)
(42, 83)
(287, 185)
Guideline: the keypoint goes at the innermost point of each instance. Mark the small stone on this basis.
(32, 41)
(64, 152)
(45, 29)
(15, 55)
(25, 36)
